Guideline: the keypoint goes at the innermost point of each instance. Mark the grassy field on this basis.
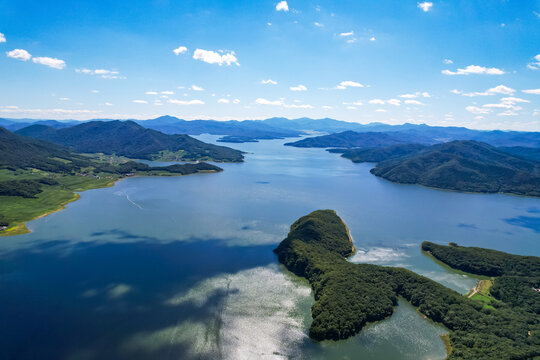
(17, 210)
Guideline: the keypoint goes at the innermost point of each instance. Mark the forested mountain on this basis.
(465, 166)
(380, 154)
(126, 138)
(353, 139)
(348, 296)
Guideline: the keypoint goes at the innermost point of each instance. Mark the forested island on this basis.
(348, 296)
(38, 177)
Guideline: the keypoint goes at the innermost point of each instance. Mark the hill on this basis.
(380, 154)
(353, 139)
(126, 138)
(38, 177)
(465, 166)
(349, 296)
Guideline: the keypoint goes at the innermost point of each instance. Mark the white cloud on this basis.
(499, 89)
(413, 102)
(318, 24)
(94, 91)
(508, 113)
(196, 88)
(425, 6)
(351, 107)
(151, 93)
(532, 91)
(394, 102)
(64, 99)
(223, 101)
(269, 81)
(298, 88)
(326, 107)
(50, 62)
(297, 106)
(372, 38)
(355, 103)
(108, 104)
(376, 102)
(448, 61)
(236, 101)
(474, 69)
(19, 54)
(106, 74)
(167, 92)
(140, 101)
(477, 110)
(2, 38)
(350, 33)
(180, 50)
(185, 102)
(381, 110)
(46, 112)
(212, 57)
(263, 101)
(282, 6)
(417, 94)
(346, 84)
(535, 64)
(350, 41)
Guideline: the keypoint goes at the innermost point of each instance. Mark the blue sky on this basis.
(472, 63)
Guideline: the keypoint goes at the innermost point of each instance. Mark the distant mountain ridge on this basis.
(129, 139)
(469, 166)
(276, 128)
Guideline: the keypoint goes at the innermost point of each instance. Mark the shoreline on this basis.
(20, 228)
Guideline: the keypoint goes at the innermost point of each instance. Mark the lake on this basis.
(182, 267)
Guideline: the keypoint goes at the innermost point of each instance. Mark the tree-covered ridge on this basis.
(382, 154)
(129, 139)
(348, 296)
(517, 277)
(465, 166)
(353, 139)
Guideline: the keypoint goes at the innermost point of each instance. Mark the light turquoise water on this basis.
(180, 268)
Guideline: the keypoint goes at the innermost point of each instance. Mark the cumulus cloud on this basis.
(2, 38)
(151, 93)
(417, 94)
(298, 88)
(477, 110)
(413, 102)
(425, 6)
(318, 24)
(212, 57)
(535, 64)
(508, 113)
(196, 88)
(140, 101)
(263, 101)
(394, 102)
(19, 54)
(376, 102)
(167, 92)
(50, 62)
(223, 101)
(236, 101)
(106, 74)
(380, 110)
(347, 84)
(268, 82)
(532, 91)
(372, 38)
(448, 61)
(474, 69)
(499, 89)
(185, 102)
(180, 50)
(282, 6)
(350, 33)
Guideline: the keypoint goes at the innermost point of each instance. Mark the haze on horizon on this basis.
(459, 63)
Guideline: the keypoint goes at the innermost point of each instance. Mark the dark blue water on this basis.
(182, 268)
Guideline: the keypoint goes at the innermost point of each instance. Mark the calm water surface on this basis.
(182, 268)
